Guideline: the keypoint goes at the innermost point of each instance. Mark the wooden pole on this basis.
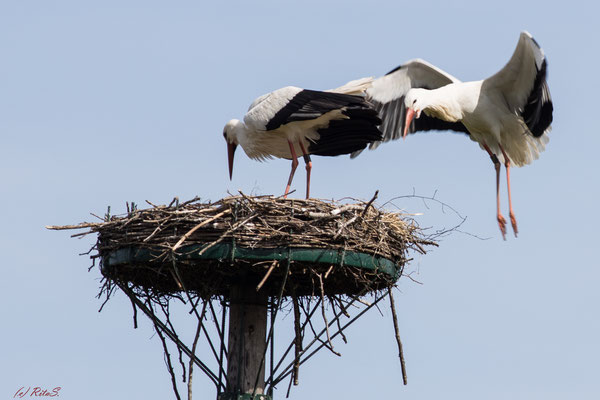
(246, 343)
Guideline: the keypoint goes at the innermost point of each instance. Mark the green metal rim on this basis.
(226, 252)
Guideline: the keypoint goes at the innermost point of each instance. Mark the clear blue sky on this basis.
(106, 103)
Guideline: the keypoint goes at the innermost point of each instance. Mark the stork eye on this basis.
(225, 134)
(414, 101)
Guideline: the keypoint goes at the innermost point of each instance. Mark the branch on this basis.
(200, 225)
(191, 366)
(168, 361)
(397, 331)
(325, 317)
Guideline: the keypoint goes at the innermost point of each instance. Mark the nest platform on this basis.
(235, 263)
(206, 248)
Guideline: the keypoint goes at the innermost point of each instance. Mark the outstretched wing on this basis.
(523, 85)
(292, 104)
(387, 95)
(341, 123)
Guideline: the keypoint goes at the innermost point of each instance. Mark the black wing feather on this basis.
(344, 136)
(311, 104)
(537, 113)
(340, 136)
(394, 118)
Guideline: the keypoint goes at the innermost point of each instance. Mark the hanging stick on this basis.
(325, 317)
(397, 330)
(222, 350)
(308, 317)
(168, 362)
(191, 367)
(264, 279)
(298, 339)
(135, 324)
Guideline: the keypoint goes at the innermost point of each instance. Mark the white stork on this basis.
(292, 121)
(508, 114)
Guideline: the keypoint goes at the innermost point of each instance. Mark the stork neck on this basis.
(442, 103)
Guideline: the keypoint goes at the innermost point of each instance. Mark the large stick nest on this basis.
(169, 232)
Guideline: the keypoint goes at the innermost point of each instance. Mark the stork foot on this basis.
(513, 222)
(502, 225)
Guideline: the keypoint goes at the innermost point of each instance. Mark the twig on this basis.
(397, 331)
(409, 276)
(297, 339)
(344, 225)
(369, 204)
(165, 310)
(317, 337)
(158, 229)
(168, 361)
(328, 271)
(200, 225)
(176, 277)
(135, 324)
(341, 305)
(222, 349)
(153, 205)
(220, 239)
(264, 279)
(185, 203)
(325, 316)
(332, 302)
(287, 395)
(78, 226)
(333, 213)
(191, 365)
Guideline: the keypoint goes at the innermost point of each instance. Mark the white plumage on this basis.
(508, 114)
(292, 121)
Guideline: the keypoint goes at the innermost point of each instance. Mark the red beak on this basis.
(230, 152)
(410, 114)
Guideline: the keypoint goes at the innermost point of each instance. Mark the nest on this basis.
(199, 247)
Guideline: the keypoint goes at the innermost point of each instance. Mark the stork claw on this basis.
(502, 225)
(513, 222)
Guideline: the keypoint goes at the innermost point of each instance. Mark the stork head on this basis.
(230, 133)
(414, 103)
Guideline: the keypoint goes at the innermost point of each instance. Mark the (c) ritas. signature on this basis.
(36, 392)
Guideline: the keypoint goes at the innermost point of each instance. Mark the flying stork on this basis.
(292, 121)
(508, 114)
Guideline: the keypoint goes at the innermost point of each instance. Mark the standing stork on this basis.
(508, 114)
(292, 121)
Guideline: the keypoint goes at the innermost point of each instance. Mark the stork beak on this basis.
(230, 152)
(410, 114)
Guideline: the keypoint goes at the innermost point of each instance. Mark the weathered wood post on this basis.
(247, 340)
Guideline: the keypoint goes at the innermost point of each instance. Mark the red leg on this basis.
(499, 217)
(511, 214)
(308, 167)
(294, 165)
